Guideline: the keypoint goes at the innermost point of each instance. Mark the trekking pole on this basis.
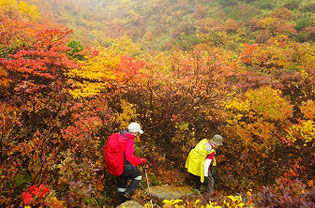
(147, 179)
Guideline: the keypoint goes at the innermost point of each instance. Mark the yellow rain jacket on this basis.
(196, 159)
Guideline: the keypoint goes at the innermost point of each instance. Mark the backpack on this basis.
(114, 154)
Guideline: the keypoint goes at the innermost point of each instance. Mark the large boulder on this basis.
(130, 204)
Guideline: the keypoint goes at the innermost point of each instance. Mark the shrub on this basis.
(293, 4)
(286, 194)
(302, 23)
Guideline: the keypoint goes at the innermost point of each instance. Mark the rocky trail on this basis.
(159, 193)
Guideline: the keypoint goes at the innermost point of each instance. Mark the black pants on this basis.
(122, 180)
(209, 181)
(196, 181)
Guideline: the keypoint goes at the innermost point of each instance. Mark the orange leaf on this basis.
(310, 183)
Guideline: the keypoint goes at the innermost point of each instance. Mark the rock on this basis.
(168, 192)
(130, 204)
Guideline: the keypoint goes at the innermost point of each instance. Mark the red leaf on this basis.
(44, 189)
(27, 197)
(36, 191)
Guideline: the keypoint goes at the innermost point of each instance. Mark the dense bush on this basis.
(285, 193)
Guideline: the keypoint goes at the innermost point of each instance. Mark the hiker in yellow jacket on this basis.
(199, 161)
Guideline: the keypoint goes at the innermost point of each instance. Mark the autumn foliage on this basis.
(204, 70)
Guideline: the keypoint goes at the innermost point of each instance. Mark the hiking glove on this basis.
(143, 161)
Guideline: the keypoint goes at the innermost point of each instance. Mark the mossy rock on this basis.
(130, 204)
(169, 192)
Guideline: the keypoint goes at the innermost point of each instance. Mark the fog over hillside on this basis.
(184, 21)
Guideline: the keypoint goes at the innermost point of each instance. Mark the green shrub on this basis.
(294, 4)
(302, 23)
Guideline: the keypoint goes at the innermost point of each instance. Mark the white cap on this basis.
(134, 127)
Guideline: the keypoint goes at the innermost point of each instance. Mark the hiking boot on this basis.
(121, 198)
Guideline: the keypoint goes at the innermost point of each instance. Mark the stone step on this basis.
(169, 192)
(130, 204)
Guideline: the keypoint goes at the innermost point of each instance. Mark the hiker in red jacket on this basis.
(121, 162)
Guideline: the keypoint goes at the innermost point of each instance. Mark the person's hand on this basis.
(143, 161)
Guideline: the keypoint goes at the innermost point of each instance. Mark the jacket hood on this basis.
(126, 134)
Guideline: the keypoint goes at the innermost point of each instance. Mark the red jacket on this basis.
(130, 150)
(211, 156)
(118, 148)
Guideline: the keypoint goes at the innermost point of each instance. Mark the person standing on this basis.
(199, 161)
(121, 162)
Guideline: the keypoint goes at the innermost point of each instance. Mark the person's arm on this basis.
(207, 164)
(129, 153)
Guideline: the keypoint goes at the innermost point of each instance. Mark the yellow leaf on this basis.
(241, 204)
